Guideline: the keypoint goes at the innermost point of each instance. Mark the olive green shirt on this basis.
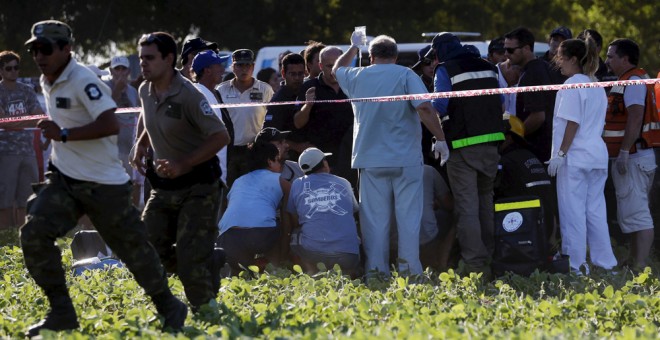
(181, 122)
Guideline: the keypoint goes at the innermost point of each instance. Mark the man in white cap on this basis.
(324, 206)
(122, 93)
(125, 95)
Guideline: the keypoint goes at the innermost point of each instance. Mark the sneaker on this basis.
(57, 319)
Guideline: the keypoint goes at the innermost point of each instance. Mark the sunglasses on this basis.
(511, 50)
(10, 68)
(43, 49)
(149, 38)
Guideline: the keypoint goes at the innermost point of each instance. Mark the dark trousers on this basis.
(242, 245)
(56, 208)
(186, 218)
(236, 163)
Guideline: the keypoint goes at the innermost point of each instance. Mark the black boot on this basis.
(216, 263)
(172, 309)
(61, 317)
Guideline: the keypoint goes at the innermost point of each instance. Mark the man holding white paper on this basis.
(387, 150)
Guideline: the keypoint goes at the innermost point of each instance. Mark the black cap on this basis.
(421, 55)
(562, 31)
(242, 56)
(271, 134)
(445, 46)
(196, 44)
(496, 45)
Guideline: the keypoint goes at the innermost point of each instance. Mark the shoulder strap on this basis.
(226, 118)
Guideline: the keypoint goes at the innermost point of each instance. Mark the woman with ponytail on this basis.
(579, 159)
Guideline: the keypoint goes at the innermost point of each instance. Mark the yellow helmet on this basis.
(515, 125)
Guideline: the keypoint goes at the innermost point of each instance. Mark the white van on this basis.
(269, 56)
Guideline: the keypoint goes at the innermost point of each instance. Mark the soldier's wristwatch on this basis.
(64, 134)
(561, 153)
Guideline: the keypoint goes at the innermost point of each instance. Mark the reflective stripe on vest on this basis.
(617, 116)
(472, 75)
(537, 183)
(517, 205)
(620, 133)
(463, 142)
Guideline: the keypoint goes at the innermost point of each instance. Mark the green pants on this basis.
(186, 218)
(55, 208)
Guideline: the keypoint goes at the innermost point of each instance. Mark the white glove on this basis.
(621, 162)
(440, 150)
(358, 38)
(554, 164)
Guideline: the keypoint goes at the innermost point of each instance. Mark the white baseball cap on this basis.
(310, 158)
(119, 61)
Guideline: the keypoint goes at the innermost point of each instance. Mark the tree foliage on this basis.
(102, 28)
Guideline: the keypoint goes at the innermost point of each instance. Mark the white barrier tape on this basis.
(423, 96)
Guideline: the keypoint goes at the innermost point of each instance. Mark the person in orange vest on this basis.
(630, 122)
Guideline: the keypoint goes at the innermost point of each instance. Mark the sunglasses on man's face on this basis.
(12, 68)
(149, 38)
(511, 50)
(43, 49)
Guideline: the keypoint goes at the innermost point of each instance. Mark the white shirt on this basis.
(587, 108)
(77, 98)
(222, 154)
(247, 121)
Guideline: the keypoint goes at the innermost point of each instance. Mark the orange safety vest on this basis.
(617, 116)
(657, 93)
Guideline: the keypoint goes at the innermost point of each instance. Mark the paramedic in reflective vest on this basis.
(631, 128)
(473, 127)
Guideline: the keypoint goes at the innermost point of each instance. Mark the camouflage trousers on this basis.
(54, 210)
(182, 226)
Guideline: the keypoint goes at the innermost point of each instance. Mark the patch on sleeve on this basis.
(93, 91)
(206, 107)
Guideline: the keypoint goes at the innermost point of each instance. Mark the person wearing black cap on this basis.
(424, 68)
(496, 51)
(247, 121)
(290, 169)
(85, 177)
(473, 127)
(557, 35)
(190, 49)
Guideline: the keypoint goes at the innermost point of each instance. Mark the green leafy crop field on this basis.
(287, 304)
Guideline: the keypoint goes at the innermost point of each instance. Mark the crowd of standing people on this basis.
(362, 185)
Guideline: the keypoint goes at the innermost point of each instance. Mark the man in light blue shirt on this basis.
(387, 151)
(323, 205)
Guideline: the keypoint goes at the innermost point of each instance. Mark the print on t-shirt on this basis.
(324, 199)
